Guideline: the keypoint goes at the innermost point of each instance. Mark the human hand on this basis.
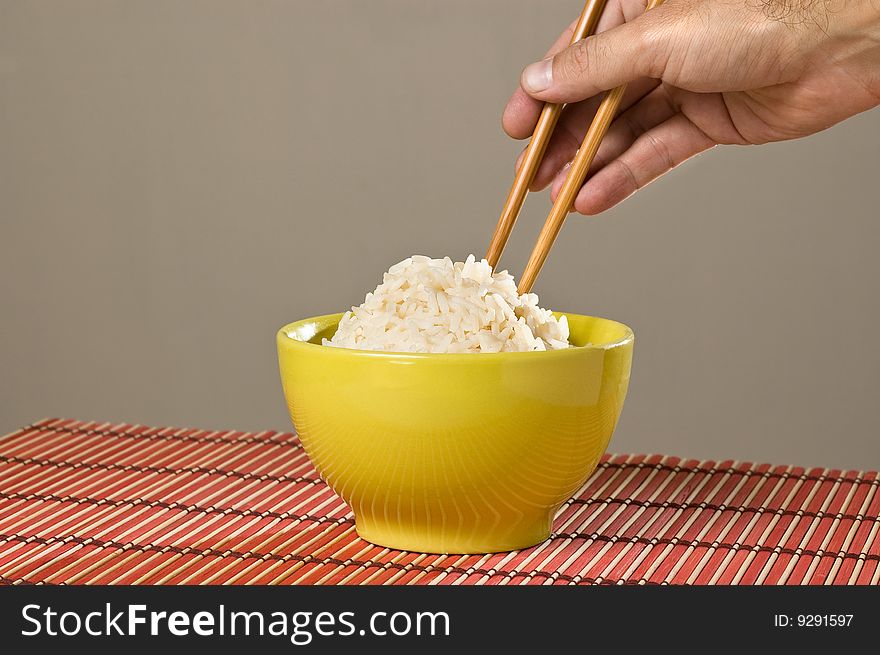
(700, 73)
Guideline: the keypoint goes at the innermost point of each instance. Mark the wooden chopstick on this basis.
(585, 26)
(573, 181)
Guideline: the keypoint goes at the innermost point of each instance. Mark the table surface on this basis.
(98, 503)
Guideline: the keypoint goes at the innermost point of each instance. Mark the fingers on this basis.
(572, 127)
(651, 110)
(635, 49)
(619, 12)
(657, 151)
(521, 113)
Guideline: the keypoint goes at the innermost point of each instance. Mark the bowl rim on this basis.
(284, 338)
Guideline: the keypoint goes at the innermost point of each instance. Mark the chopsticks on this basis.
(577, 173)
(573, 181)
(585, 26)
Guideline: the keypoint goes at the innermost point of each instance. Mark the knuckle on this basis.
(661, 151)
(660, 31)
(652, 42)
(634, 128)
(678, 9)
(629, 183)
(576, 63)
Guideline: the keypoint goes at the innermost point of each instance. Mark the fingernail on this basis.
(563, 173)
(558, 181)
(538, 76)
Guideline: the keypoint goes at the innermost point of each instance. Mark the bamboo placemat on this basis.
(95, 503)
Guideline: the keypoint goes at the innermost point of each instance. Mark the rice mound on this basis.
(429, 305)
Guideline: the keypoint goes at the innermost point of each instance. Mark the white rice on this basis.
(429, 305)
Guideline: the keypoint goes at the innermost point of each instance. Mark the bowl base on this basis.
(448, 541)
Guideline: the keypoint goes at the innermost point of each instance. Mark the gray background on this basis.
(179, 179)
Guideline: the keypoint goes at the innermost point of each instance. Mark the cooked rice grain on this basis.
(436, 306)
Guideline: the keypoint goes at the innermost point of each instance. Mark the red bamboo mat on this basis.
(95, 503)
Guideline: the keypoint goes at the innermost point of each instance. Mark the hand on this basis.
(700, 73)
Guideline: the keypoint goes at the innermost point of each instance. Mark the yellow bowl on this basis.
(455, 453)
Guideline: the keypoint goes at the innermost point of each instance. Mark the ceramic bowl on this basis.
(455, 453)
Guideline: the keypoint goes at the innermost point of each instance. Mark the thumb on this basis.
(601, 62)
